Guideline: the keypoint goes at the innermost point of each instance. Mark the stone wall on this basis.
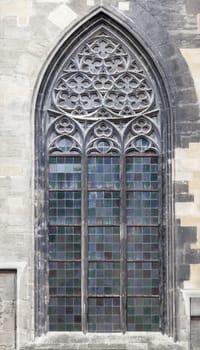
(29, 32)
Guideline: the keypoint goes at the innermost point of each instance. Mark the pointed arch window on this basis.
(102, 122)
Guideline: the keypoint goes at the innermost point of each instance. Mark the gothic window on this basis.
(103, 142)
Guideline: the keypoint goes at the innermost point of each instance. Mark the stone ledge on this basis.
(79, 341)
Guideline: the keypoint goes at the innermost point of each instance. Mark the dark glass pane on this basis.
(104, 315)
(103, 208)
(65, 278)
(64, 208)
(143, 314)
(103, 278)
(65, 314)
(65, 242)
(64, 172)
(142, 173)
(143, 278)
(142, 243)
(142, 208)
(104, 243)
(103, 172)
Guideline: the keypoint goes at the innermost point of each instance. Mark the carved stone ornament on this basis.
(103, 100)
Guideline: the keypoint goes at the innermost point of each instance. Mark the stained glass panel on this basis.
(143, 278)
(103, 278)
(142, 208)
(65, 278)
(142, 243)
(103, 208)
(65, 242)
(104, 243)
(104, 315)
(65, 314)
(143, 314)
(142, 173)
(103, 172)
(64, 172)
(64, 208)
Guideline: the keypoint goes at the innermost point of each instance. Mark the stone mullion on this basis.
(123, 238)
(84, 245)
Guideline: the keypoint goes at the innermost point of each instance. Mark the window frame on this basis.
(41, 243)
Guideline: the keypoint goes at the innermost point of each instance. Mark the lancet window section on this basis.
(104, 199)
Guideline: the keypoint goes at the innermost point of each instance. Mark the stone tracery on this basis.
(104, 80)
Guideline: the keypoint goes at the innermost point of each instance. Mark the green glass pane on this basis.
(103, 208)
(143, 243)
(103, 278)
(65, 278)
(142, 208)
(142, 173)
(65, 173)
(65, 314)
(104, 315)
(143, 314)
(104, 243)
(64, 208)
(104, 172)
(143, 278)
(65, 242)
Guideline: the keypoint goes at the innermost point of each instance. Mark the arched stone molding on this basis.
(167, 67)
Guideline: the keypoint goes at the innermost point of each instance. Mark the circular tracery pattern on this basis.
(103, 75)
(104, 94)
(65, 126)
(141, 126)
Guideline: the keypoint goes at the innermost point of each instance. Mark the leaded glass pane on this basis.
(143, 278)
(104, 315)
(142, 173)
(142, 208)
(64, 172)
(65, 242)
(65, 313)
(65, 278)
(142, 243)
(103, 172)
(64, 207)
(103, 139)
(104, 243)
(103, 208)
(103, 278)
(143, 314)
